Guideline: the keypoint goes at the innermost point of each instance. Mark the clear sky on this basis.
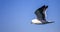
(16, 15)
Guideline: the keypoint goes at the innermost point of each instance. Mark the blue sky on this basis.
(16, 15)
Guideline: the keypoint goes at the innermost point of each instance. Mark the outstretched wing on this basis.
(40, 12)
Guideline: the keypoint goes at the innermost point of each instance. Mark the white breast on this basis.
(36, 21)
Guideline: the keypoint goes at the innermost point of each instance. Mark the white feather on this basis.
(36, 21)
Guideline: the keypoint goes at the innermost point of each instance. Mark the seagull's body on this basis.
(36, 21)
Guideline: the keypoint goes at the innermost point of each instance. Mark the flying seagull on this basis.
(41, 15)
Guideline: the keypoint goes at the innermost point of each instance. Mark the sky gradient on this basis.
(16, 15)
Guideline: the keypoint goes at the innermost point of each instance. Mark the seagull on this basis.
(41, 16)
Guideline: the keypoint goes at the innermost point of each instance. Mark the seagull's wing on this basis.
(39, 12)
(39, 15)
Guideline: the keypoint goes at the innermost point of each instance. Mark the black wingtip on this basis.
(44, 6)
